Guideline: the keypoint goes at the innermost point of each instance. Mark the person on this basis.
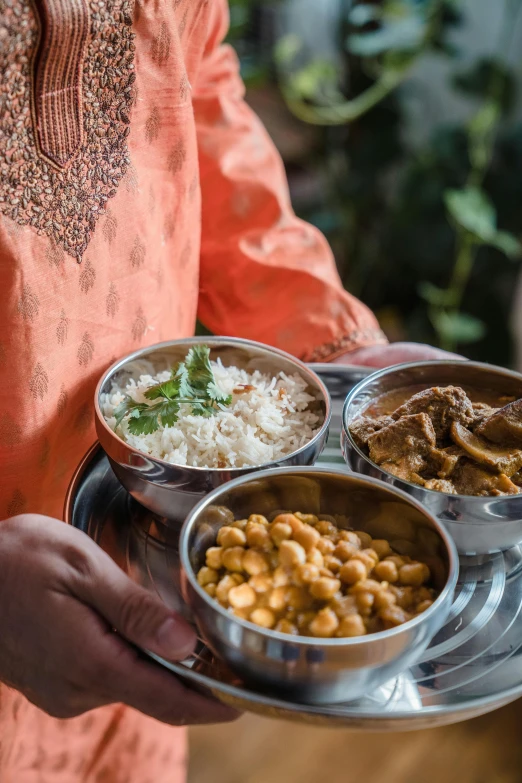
(137, 191)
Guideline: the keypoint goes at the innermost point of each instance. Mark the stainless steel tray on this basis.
(473, 666)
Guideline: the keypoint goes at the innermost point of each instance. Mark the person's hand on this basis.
(61, 597)
(394, 353)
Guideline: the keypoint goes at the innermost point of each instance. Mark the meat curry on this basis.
(447, 439)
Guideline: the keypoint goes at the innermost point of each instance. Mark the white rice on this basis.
(259, 426)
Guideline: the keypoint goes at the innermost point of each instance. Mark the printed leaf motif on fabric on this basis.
(39, 382)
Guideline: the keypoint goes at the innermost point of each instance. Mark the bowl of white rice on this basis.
(271, 411)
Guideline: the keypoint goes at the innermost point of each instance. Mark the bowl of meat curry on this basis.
(449, 434)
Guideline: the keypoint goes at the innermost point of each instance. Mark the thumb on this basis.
(137, 614)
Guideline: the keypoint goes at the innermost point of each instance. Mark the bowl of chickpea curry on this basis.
(450, 434)
(315, 583)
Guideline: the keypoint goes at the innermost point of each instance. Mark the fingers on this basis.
(122, 675)
(137, 614)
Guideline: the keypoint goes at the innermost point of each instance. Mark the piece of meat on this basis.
(499, 459)
(444, 461)
(504, 426)
(440, 485)
(471, 479)
(407, 468)
(410, 435)
(363, 427)
(482, 411)
(442, 404)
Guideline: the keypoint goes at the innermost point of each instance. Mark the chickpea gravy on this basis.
(302, 574)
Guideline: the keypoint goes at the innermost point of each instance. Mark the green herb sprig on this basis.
(192, 383)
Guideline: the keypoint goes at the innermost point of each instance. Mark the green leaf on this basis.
(167, 390)
(199, 371)
(144, 420)
(473, 211)
(287, 48)
(314, 79)
(438, 297)
(481, 131)
(506, 243)
(169, 413)
(122, 410)
(458, 327)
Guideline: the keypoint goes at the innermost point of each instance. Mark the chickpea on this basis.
(254, 562)
(404, 596)
(277, 599)
(324, 624)
(327, 529)
(241, 596)
(233, 558)
(352, 571)
(291, 554)
(224, 586)
(393, 616)
(243, 614)
(351, 625)
(298, 598)
(414, 574)
(351, 538)
(307, 536)
(211, 589)
(367, 560)
(303, 621)
(263, 617)
(369, 553)
(261, 583)
(306, 573)
(258, 519)
(230, 537)
(315, 557)
(281, 578)
(325, 546)
(280, 532)
(383, 599)
(397, 560)
(344, 551)
(423, 606)
(308, 519)
(423, 594)
(381, 547)
(365, 601)
(288, 519)
(273, 558)
(214, 557)
(387, 571)
(258, 536)
(364, 538)
(240, 523)
(324, 588)
(326, 572)
(332, 564)
(344, 605)
(369, 585)
(207, 576)
(285, 626)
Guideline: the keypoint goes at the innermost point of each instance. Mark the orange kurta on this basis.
(137, 190)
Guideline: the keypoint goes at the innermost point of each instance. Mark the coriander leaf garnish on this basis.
(191, 383)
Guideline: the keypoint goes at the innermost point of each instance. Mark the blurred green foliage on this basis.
(427, 237)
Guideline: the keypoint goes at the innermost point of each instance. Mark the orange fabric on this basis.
(261, 274)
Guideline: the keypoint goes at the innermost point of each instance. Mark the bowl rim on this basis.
(476, 499)
(300, 367)
(312, 641)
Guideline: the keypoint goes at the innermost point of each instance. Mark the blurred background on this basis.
(400, 125)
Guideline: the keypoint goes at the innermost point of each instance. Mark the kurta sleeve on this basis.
(265, 274)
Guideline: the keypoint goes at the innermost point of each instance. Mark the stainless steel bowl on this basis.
(478, 525)
(172, 490)
(300, 668)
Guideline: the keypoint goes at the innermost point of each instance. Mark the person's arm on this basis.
(265, 274)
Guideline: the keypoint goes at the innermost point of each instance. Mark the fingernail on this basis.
(175, 639)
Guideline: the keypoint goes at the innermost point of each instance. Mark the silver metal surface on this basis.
(478, 525)
(172, 490)
(307, 670)
(472, 666)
